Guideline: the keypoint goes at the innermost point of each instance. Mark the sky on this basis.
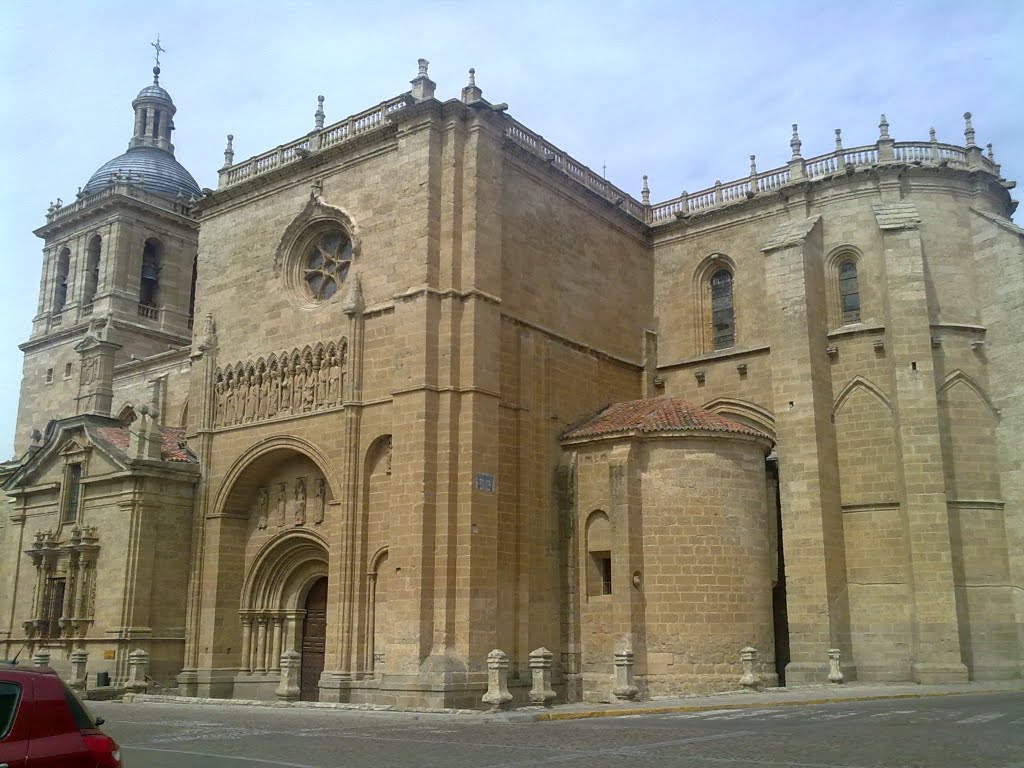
(681, 91)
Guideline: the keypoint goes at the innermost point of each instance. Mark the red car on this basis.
(43, 724)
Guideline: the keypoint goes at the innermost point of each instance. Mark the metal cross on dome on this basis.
(159, 49)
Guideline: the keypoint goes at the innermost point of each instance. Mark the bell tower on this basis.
(118, 264)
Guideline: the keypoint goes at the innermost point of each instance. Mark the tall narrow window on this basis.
(73, 493)
(599, 554)
(723, 327)
(849, 292)
(192, 292)
(53, 606)
(60, 290)
(92, 269)
(149, 286)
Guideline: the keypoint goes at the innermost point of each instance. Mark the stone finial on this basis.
(645, 192)
(991, 156)
(422, 86)
(540, 666)
(318, 116)
(36, 437)
(931, 135)
(883, 129)
(794, 143)
(41, 658)
(624, 688)
(316, 189)
(471, 93)
(497, 680)
(969, 130)
(229, 152)
(79, 660)
(749, 679)
(209, 339)
(753, 165)
(835, 673)
(288, 689)
(839, 139)
(138, 670)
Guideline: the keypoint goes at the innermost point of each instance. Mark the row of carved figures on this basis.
(292, 384)
(291, 504)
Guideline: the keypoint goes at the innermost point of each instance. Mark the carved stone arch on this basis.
(960, 377)
(380, 448)
(835, 259)
(598, 553)
(239, 370)
(859, 382)
(183, 414)
(701, 291)
(263, 450)
(378, 559)
(275, 580)
(313, 216)
(127, 415)
(318, 352)
(745, 412)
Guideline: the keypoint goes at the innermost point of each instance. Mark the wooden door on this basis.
(314, 634)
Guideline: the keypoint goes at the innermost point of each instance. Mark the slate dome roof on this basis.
(160, 172)
(153, 92)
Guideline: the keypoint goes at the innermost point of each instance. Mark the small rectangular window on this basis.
(49, 375)
(606, 575)
(67, 370)
(600, 573)
(74, 491)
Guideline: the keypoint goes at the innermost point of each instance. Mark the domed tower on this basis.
(119, 266)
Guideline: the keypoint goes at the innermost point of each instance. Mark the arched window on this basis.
(599, 554)
(60, 290)
(849, 293)
(723, 326)
(92, 269)
(149, 285)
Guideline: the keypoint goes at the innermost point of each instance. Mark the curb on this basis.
(595, 713)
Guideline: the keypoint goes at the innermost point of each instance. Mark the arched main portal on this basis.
(314, 637)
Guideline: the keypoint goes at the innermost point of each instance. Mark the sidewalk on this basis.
(822, 693)
(818, 693)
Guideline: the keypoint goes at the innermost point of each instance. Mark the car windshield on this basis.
(79, 713)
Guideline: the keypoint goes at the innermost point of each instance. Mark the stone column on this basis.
(79, 659)
(138, 668)
(246, 644)
(748, 658)
(275, 650)
(540, 666)
(624, 688)
(288, 688)
(261, 644)
(41, 658)
(935, 640)
(497, 680)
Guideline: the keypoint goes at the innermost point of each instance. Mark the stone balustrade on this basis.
(123, 186)
(333, 134)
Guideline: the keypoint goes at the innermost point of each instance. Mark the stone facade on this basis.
(408, 324)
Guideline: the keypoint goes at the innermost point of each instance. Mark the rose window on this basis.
(327, 262)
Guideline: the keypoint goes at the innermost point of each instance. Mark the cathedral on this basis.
(418, 396)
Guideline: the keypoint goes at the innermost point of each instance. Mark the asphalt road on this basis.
(969, 731)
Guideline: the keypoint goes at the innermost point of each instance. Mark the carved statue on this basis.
(285, 392)
(262, 507)
(229, 400)
(309, 388)
(300, 501)
(282, 501)
(322, 378)
(274, 390)
(319, 501)
(218, 405)
(251, 397)
(263, 389)
(334, 394)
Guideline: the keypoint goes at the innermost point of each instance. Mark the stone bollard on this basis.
(540, 666)
(79, 658)
(624, 688)
(497, 680)
(288, 689)
(138, 669)
(41, 658)
(835, 672)
(749, 678)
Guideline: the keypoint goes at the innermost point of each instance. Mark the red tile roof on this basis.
(172, 445)
(658, 414)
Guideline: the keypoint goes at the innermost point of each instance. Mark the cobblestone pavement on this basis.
(968, 731)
